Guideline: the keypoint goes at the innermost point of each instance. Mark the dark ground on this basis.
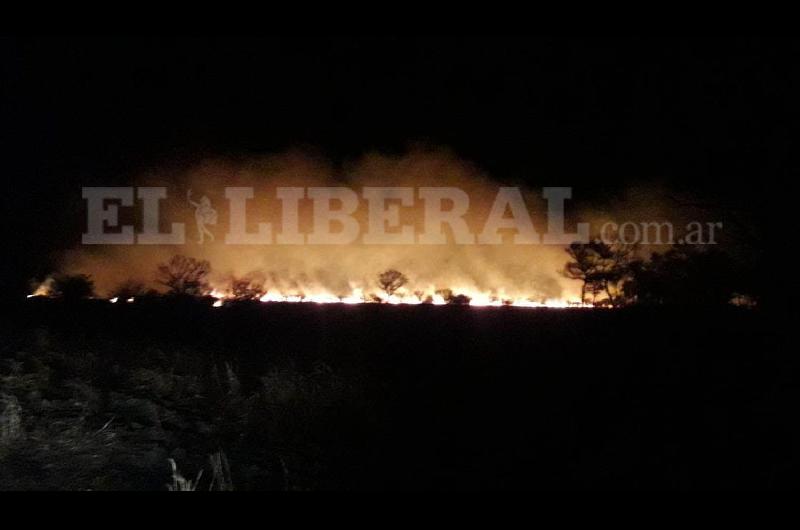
(377, 397)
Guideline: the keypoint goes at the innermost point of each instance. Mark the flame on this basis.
(357, 296)
(44, 289)
(438, 299)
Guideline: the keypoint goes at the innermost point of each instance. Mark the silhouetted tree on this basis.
(185, 276)
(73, 287)
(390, 281)
(581, 267)
(601, 267)
(250, 287)
(684, 275)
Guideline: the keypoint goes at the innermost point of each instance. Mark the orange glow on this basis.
(357, 296)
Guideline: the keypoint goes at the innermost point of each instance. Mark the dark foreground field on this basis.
(303, 397)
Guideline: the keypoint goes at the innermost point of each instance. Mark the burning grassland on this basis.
(481, 243)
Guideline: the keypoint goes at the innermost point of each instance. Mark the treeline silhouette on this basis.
(610, 275)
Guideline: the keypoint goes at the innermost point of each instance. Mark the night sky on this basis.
(717, 117)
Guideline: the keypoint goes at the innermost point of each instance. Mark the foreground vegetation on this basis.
(286, 396)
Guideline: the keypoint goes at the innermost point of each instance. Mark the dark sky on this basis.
(714, 115)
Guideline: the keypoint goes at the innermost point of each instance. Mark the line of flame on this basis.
(357, 297)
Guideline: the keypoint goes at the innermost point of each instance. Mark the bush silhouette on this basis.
(185, 276)
(72, 287)
(129, 289)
